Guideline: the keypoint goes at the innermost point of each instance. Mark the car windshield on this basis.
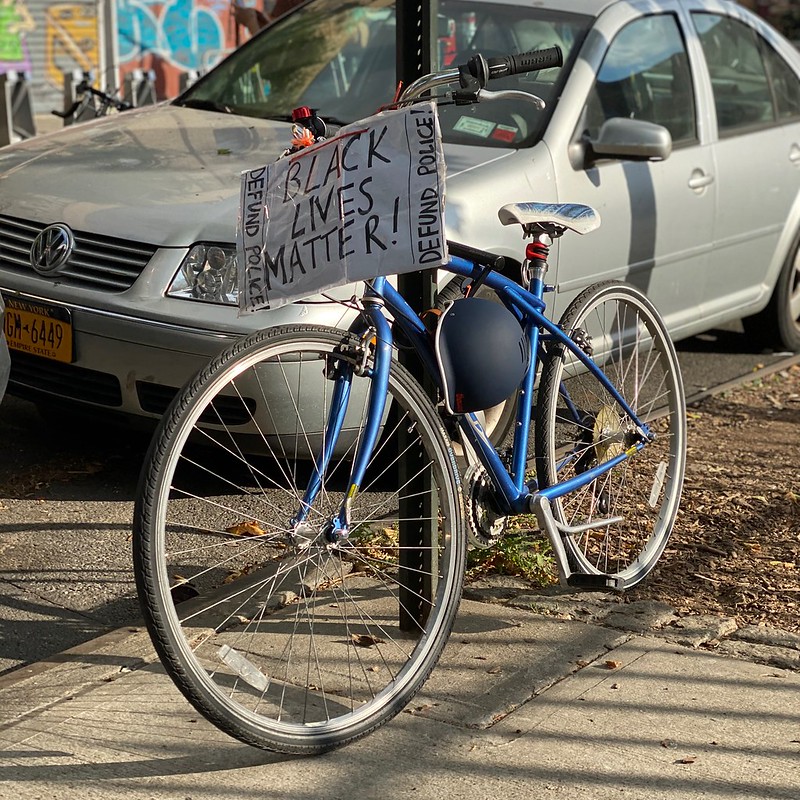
(339, 58)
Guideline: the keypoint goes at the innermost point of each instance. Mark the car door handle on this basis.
(794, 154)
(700, 180)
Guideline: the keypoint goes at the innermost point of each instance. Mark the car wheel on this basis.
(778, 325)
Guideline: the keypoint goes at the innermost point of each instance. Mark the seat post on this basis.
(537, 251)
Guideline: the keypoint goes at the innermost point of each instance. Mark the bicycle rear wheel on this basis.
(579, 425)
(280, 637)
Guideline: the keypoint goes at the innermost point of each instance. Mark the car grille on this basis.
(97, 262)
(155, 397)
(63, 380)
(31, 376)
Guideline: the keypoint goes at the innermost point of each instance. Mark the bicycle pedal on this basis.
(580, 580)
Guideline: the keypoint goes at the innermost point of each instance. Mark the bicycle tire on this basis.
(293, 648)
(625, 336)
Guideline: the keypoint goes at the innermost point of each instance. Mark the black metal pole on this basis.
(416, 45)
(416, 40)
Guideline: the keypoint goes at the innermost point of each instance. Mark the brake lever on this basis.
(512, 94)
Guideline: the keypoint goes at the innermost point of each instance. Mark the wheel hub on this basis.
(608, 434)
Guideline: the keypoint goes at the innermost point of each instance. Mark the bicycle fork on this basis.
(341, 369)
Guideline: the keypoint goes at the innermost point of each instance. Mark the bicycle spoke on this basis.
(580, 425)
(279, 632)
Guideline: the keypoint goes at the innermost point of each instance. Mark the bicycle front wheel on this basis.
(284, 636)
(579, 425)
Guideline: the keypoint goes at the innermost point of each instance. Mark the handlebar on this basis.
(473, 76)
(531, 61)
(471, 79)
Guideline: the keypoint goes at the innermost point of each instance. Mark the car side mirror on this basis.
(632, 139)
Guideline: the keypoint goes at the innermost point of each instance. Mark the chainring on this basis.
(485, 523)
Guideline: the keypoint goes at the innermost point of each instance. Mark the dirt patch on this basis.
(735, 549)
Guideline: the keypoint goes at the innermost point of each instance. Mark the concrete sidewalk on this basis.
(523, 704)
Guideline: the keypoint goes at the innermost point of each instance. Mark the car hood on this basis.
(165, 175)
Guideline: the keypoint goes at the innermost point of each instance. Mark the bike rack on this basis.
(72, 79)
(187, 78)
(16, 108)
(140, 88)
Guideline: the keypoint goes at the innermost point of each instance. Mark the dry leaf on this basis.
(613, 664)
(686, 760)
(251, 528)
(669, 743)
(235, 574)
(183, 590)
(365, 639)
(235, 620)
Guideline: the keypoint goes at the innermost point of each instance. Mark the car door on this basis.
(757, 155)
(657, 216)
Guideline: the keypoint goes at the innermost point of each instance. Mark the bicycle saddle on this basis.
(574, 216)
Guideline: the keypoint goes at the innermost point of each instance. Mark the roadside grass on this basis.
(523, 552)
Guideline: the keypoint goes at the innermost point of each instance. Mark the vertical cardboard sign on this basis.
(367, 202)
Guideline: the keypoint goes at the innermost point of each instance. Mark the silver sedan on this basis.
(679, 120)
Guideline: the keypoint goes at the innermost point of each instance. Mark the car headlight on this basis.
(208, 273)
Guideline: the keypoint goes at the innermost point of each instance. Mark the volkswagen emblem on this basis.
(51, 249)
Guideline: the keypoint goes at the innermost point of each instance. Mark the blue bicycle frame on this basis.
(513, 493)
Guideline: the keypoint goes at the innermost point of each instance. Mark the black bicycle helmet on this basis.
(482, 353)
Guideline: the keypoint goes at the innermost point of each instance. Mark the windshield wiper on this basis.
(276, 117)
(204, 105)
(336, 123)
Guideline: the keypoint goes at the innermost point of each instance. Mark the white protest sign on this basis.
(369, 201)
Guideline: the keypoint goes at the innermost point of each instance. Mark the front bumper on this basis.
(133, 365)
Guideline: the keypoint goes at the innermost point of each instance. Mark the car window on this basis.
(339, 58)
(752, 85)
(785, 85)
(645, 75)
(496, 30)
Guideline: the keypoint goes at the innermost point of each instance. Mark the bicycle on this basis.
(91, 103)
(300, 537)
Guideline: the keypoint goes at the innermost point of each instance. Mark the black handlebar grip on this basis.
(526, 62)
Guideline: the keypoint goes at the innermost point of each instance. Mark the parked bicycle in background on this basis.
(91, 103)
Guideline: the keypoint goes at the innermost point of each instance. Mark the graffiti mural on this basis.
(51, 39)
(173, 36)
(71, 40)
(15, 22)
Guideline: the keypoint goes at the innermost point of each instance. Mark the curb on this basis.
(720, 634)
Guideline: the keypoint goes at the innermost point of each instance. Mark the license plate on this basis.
(39, 329)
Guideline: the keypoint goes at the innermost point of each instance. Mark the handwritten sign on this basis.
(367, 202)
